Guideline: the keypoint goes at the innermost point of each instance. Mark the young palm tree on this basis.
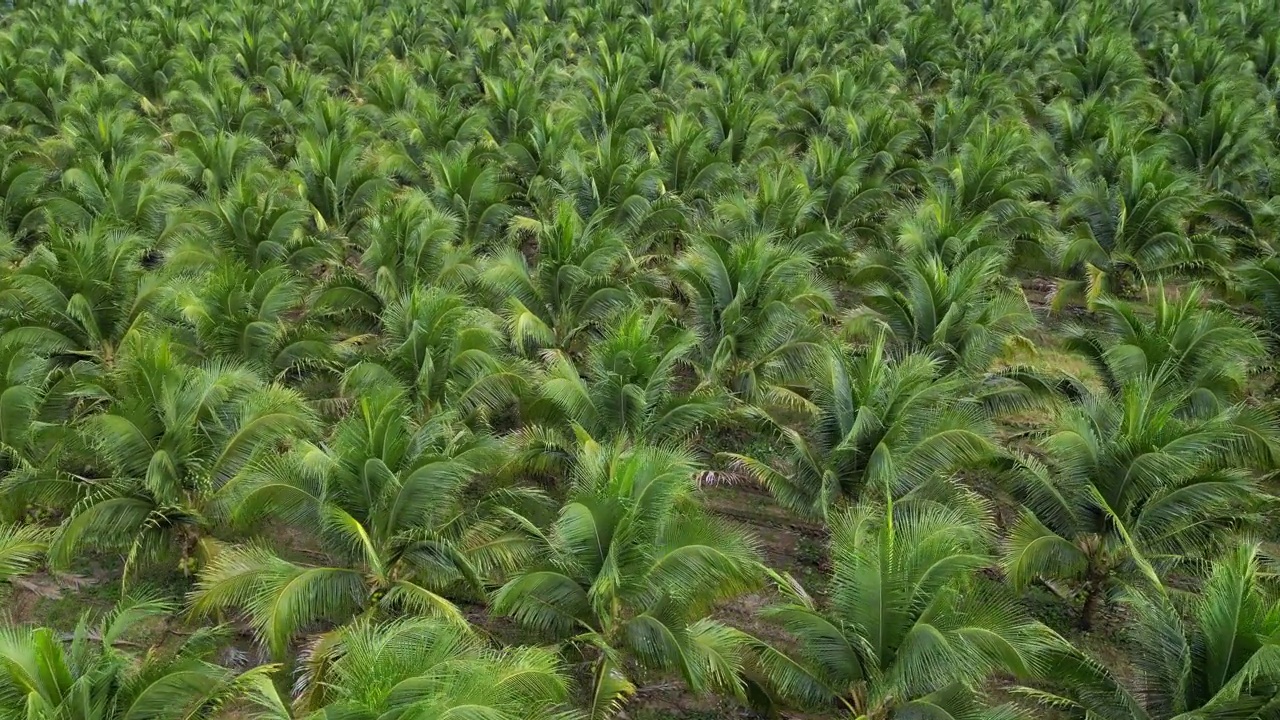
(963, 314)
(855, 195)
(167, 441)
(1185, 341)
(444, 352)
(1261, 280)
(630, 572)
(1107, 65)
(215, 101)
(783, 207)
(340, 178)
(1133, 229)
(538, 155)
(243, 314)
(391, 89)
(751, 301)
(628, 384)
(135, 193)
(883, 426)
(999, 170)
(690, 167)
(615, 183)
(407, 242)
(1216, 134)
(443, 121)
(212, 162)
(468, 183)
(24, 375)
(254, 219)
(42, 677)
(982, 197)
(1130, 488)
(911, 628)
(398, 513)
(1208, 655)
(419, 667)
(407, 258)
(346, 46)
(573, 285)
(80, 295)
(24, 173)
(740, 120)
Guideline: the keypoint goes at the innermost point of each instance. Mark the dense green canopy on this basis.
(536, 359)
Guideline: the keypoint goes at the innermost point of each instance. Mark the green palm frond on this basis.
(636, 565)
(21, 549)
(1204, 349)
(1213, 656)
(95, 676)
(428, 666)
(908, 624)
(399, 510)
(1129, 476)
(627, 384)
(885, 426)
(171, 437)
(752, 302)
(280, 598)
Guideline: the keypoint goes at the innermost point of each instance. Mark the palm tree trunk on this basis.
(1092, 602)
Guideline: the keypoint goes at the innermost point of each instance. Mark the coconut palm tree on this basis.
(1186, 341)
(24, 174)
(690, 167)
(1261, 280)
(94, 676)
(782, 206)
(1107, 65)
(135, 193)
(614, 182)
(855, 193)
(444, 352)
(242, 314)
(346, 47)
(740, 120)
(1133, 229)
(340, 178)
(882, 427)
(442, 121)
(467, 182)
(24, 376)
(214, 101)
(1131, 488)
(419, 665)
(328, 296)
(962, 314)
(254, 219)
(574, 284)
(400, 515)
(168, 438)
(912, 628)
(211, 162)
(1210, 654)
(407, 241)
(983, 196)
(628, 384)
(1216, 134)
(630, 571)
(751, 302)
(80, 295)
